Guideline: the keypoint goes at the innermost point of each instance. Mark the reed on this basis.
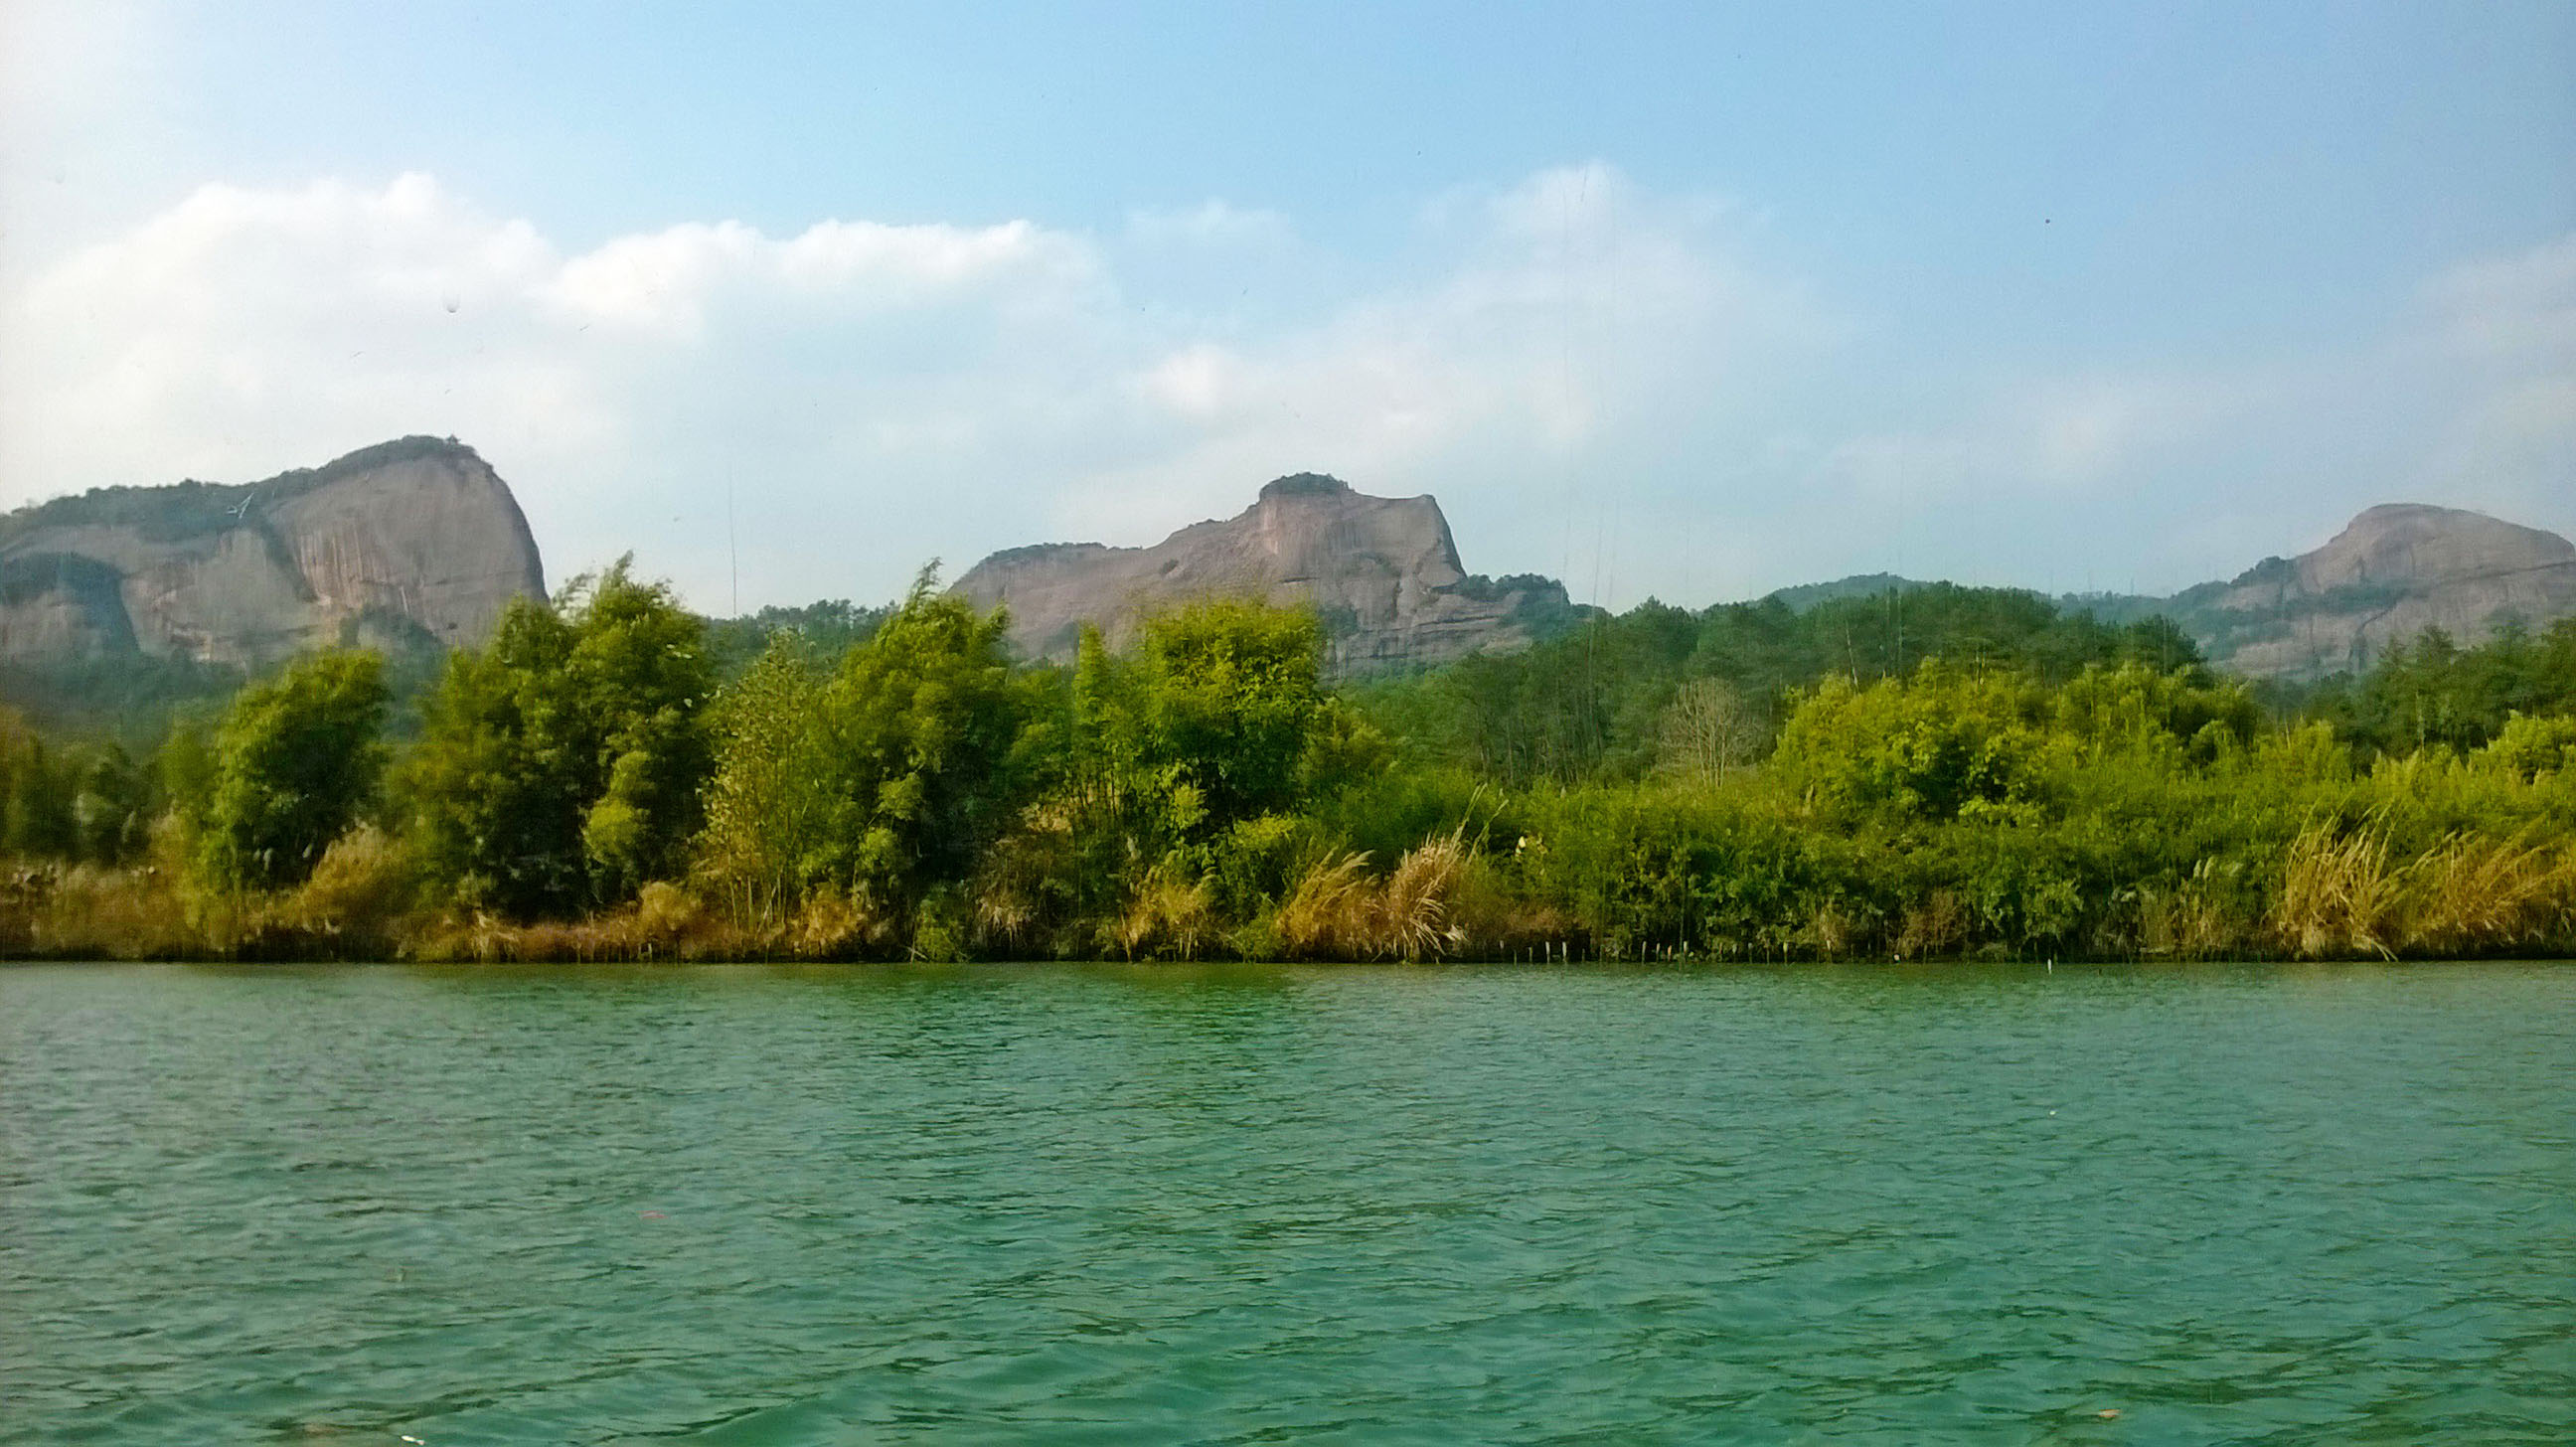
(2192, 920)
(1170, 915)
(2474, 893)
(1326, 915)
(1410, 915)
(89, 912)
(2339, 895)
(1337, 911)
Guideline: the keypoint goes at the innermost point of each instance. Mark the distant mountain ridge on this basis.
(1800, 597)
(1383, 573)
(411, 542)
(417, 542)
(2394, 571)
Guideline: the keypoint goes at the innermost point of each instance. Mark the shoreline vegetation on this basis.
(1945, 773)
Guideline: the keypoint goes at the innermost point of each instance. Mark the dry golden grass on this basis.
(2471, 893)
(664, 922)
(1338, 912)
(89, 912)
(832, 925)
(1410, 920)
(2475, 893)
(1170, 916)
(2339, 895)
(2190, 921)
(359, 900)
(1325, 916)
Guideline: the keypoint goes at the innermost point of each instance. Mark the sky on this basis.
(1686, 301)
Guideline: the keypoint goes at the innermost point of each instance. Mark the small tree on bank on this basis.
(295, 761)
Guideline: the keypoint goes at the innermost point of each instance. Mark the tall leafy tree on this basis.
(37, 789)
(770, 808)
(1229, 695)
(295, 760)
(560, 765)
(924, 723)
(113, 810)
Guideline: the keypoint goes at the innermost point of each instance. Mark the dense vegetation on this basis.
(1933, 773)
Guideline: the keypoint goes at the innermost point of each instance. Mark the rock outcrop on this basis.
(1383, 573)
(2393, 572)
(403, 544)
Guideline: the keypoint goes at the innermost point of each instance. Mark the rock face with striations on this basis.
(1382, 573)
(402, 544)
(2393, 572)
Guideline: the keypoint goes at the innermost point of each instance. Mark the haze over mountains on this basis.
(2392, 572)
(418, 542)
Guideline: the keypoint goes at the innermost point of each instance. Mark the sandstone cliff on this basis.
(1382, 572)
(406, 543)
(2393, 572)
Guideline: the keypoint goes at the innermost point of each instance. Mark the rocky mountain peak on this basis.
(1383, 573)
(2394, 571)
(1304, 484)
(2401, 543)
(411, 542)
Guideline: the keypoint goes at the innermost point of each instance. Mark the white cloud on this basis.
(1211, 224)
(871, 394)
(1597, 379)
(2197, 470)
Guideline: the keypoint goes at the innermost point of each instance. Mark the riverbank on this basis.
(588, 788)
(2326, 894)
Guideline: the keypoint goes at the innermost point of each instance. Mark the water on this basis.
(1368, 1206)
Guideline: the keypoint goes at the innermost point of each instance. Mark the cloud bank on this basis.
(1601, 381)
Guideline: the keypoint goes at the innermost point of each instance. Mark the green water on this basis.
(1368, 1206)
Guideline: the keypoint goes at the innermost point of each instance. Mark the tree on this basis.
(560, 766)
(923, 725)
(1932, 747)
(295, 759)
(1229, 694)
(1708, 729)
(113, 810)
(769, 804)
(37, 789)
(641, 675)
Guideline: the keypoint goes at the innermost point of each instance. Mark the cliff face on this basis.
(2393, 572)
(1382, 572)
(410, 542)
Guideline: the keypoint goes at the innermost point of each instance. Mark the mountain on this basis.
(1803, 596)
(2394, 571)
(408, 543)
(1382, 571)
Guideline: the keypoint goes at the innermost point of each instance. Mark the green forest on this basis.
(1927, 774)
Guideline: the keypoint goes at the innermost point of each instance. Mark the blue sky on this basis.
(1695, 301)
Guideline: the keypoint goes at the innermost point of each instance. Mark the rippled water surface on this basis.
(1371, 1206)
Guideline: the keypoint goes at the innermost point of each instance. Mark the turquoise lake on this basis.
(1149, 1205)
